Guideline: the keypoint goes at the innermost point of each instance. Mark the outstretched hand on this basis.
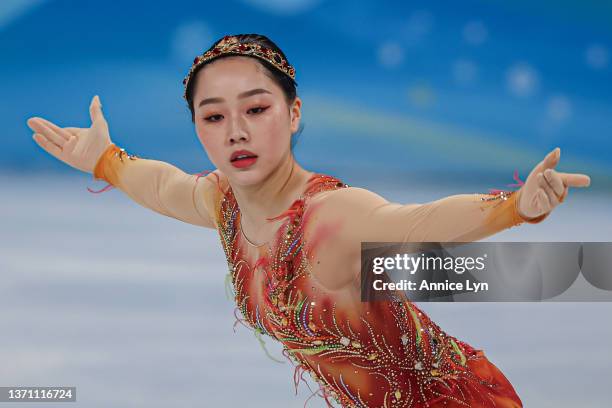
(545, 188)
(78, 147)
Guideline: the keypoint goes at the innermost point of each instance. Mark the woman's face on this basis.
(238, 107)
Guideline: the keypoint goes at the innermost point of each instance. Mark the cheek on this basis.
(201, 137)
(206, 135)
(274, 134)
(276, 126)
(208, 144)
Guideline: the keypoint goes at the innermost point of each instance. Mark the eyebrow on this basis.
(240, 96)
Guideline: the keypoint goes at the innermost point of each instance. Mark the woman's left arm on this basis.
(360, 215)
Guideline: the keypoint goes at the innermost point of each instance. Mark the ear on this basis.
(296, 114)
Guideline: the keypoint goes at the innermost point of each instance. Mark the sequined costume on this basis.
(362, 354)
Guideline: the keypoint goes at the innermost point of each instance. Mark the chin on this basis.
(246, 177)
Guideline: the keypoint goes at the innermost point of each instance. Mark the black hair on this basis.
(286, 83)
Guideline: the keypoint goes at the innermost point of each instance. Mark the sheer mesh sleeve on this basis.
(343, 218)
(159, 186)
(361, 215)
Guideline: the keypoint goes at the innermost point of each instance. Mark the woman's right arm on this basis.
(160, 186)
(154, 184)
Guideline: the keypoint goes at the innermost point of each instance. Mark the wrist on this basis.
(98, 170)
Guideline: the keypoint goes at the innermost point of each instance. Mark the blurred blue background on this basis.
(484, 86)
(415, 100)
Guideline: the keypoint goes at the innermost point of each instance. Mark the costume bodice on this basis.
(384, 353)
(362, 354)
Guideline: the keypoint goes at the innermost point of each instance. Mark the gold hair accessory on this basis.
(230, 45)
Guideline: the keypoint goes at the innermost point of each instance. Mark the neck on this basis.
(272, 195)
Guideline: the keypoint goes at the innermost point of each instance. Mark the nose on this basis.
(236, 131)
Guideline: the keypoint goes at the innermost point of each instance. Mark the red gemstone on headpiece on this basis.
(195, 60)
(216, 51)
(184, 81)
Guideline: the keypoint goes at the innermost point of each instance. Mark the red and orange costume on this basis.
(362, 354)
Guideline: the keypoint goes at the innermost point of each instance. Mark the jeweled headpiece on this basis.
(230, 45)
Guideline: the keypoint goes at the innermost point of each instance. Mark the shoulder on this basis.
(335, 221)
(214, 183)
(348, 200)
(213, 187)
(340, 213)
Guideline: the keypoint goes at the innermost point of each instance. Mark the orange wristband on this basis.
(99, 172)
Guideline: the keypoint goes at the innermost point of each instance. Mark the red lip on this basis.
(243, 162)
(241, 152)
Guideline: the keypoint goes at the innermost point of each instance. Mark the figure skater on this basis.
(292, 237)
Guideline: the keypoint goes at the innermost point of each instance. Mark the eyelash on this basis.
(263, 109)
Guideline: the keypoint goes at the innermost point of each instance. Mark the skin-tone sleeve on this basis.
(159, 186)
(362, 215)
(341, 219)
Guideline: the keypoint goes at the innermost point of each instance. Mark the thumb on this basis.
(95, 110)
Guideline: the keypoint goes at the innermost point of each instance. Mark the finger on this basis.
(575, 180)
(95, 109)
(551, 159)
(554, 181)
(565, 191)
(35, 124)
(552, 196)
(58, 130)
(40, 127)
(545, 205)
(48, 146)
(43, 137)
(68, 147)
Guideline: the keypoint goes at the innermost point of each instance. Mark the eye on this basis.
(211, 118)
(259, 109)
